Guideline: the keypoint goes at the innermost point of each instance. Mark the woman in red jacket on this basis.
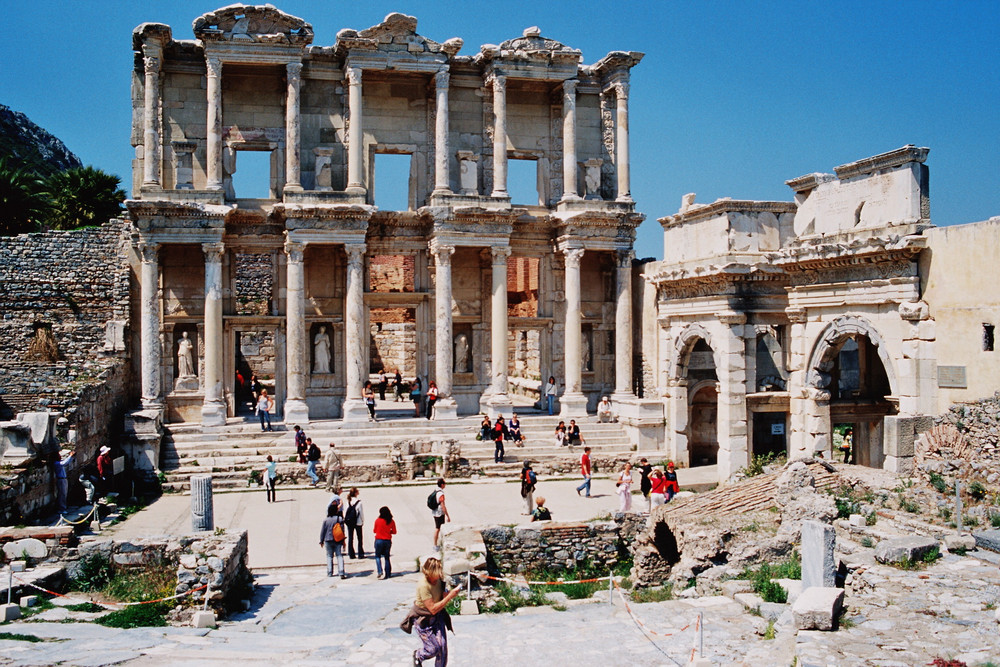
(385, 528)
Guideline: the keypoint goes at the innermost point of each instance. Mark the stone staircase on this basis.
(229, 453)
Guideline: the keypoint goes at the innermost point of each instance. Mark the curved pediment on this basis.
(252, 23)
(396, 32)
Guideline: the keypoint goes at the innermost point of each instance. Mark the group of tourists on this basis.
(344, 522)
(499, 432)
(658, 486)
(416, 389)
(567, 436)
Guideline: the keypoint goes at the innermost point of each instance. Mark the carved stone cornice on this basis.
(732, 318)
(796, 315)
(819, 254)
(889, 160)
(809, 182)
(149, 214)
(396, 30)
(240, 24)
(720, 206)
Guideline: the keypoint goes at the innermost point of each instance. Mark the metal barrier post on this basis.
(701, 634)
(208, 591)
(10, 582)
(958, 506)
(611, 589)
(468, 577)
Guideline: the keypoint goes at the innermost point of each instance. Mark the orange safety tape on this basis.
(112, 604)
(547, 583)
(639, 621)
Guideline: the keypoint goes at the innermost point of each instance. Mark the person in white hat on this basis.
(105, 468)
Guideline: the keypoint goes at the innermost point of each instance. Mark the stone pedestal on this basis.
(818, 564)
(15, 439)
(202, 508)
(445, 408)
(203, 619)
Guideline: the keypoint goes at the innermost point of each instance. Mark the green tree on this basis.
(82, 197)
(23, 200)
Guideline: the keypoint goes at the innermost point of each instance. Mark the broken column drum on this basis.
(202, 509)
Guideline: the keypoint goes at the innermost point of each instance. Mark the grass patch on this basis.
(660, 594)
(17, 637)
(867, 542)
(937, 481)
(43, 604)
(511, 599)
(844, 622)
(136, 616)
(758, 462)
(761, 577)
(908, 505)
(152, 582)
(769, 630)
(927, 559)
(455, 606)
(88, 607)
(976, 490)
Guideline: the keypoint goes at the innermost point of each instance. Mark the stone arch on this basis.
(829, 342)
(683, 346)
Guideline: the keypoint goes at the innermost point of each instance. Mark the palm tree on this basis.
(82, 197)
(23, 201)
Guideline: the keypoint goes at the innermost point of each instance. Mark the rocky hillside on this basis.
(27, 145)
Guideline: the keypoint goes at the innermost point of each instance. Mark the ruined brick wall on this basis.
(253, 283)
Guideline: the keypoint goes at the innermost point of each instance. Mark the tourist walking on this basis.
(397, 386)
(333, 464)
(383, 383)
(528, 480)
(541, 513)
(514, 429)
(300, 443)
(271, 479)
(499, 430)
(550, 394)
(432, 397)
(847, 445)
(416, 395)
(561, 440)
(670, 477)
(657, 490)
(264, 410)
(585, 471)
(429, 614)
(313, 456)
(105, 468)
(60, 465)
(384, 529)
(644, 484)
(331, 537)
(354, 517)
(255, 387)
(369, 395)
(573, 434)
(438, 510)
(625, 489)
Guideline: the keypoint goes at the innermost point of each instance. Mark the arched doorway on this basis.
(703, 424)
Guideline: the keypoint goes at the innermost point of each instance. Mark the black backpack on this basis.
(432, 501)
(351, 515)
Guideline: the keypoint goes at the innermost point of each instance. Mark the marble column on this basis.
(732, 405)
(293, 160)
(355, 135)
(151, 163)
(296, 357)
(499, 136)
(621, 141)
(213, 157)
(442, 176)
(573, 401)
(445, 407)
(149, 342)
(499, 401)
(569, 140)
(623, 326)
(213, 411)
(355, 354)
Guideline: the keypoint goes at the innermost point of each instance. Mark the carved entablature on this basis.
(619, 228)
(817, 253)
(467, 226)
(397, 33)
(704, 211)
(252, 23)
(890, 160)
(856, 273)
(319, 216)
(152, 214)
(146, 34)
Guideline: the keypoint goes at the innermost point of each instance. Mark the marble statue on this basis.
(185, 357)
(586, 355)
(321, 352)
(462, 354)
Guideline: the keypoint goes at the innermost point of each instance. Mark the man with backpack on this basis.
(435, 503)
(312, 458)
(528, 480)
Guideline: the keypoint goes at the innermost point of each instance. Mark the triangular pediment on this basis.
(397, 32)
(252, 23)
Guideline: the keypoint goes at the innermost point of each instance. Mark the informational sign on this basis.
(118, 465)
(952, 377)
(777, 429)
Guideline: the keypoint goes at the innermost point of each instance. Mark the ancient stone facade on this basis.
(543, 286)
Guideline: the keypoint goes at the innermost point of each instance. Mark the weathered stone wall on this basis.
(253, 283)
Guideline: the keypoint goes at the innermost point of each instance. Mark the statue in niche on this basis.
(462, 354)
(586, 355)
(321, 352)
(228, 169)
(185, 357)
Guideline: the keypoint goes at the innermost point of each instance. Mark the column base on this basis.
(445, 408)
(573, 405)
(499, 404)
(355, 410)
(292, 187)
(296, 411)
(357, 190)
(213, 414)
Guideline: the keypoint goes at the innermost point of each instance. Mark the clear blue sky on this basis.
(731, 100)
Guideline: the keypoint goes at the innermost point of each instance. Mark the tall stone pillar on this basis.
(293, 160)
(573, 401)
(499, 135)
(621, 141)
(213, 156)
(149, 286)
(356, 356)
(442, 176)
(623, 326)
(296, 359)
(499, 401)
(213, 411)
(355, 135)
(445, 407)
(151, 163)
(569, 140)
(732, 404)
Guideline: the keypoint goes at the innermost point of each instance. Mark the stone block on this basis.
(898, 464)
(203, 619)
(818, 564)
(988, 539)
(470, 608)
(817, 608)
(792, 586)
(912, 548)
(18, 566)
(751, 601)
(455, 566)
(28, 547)
(15, 439)
(28, 600)
(898, 436)
(772, 611)
(43, 429)
(9, 612)
(959, 542)
(736, 586)
(858, 520)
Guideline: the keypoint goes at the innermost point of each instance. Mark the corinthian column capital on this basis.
(500, 254)
(214, 67)
(354, 76)
(442, 252)
(621, 89)
(569, 91)
(442, 78)
(294, 72)
(499, 82)
(294, 250)
(213, 251)
(355, 254)
(151, 64)
(623, 258)
(149, 252)
(573, 257)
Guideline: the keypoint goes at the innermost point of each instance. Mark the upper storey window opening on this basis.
(522, 181)
(392, 187)
(252, 175)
